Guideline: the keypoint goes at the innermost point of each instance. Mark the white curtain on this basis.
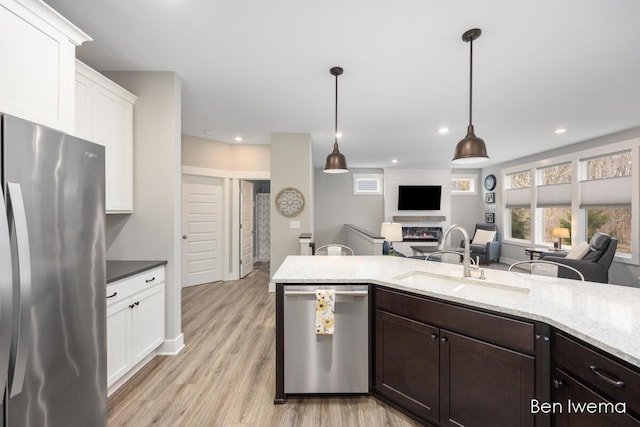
(263, 226)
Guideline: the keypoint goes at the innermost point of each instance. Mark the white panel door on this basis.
(201, 230)
(246, 228)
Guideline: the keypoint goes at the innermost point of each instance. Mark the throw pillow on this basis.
(482, 237)
(578, 251)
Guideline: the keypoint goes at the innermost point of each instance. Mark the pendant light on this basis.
(470, 149)
(336, 163)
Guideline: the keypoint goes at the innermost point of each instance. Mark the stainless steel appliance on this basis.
(337, 363)
(52, 278)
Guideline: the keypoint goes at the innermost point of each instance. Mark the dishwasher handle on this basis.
(348, 293)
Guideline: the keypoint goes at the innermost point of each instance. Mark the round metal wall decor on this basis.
(290, 202)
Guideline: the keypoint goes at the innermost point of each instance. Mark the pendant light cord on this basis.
(335, 133)
(470, 80)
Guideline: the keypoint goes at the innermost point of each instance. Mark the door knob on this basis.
(184, 236)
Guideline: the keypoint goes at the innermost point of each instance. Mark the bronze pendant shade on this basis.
(336, 162)
(470, 149)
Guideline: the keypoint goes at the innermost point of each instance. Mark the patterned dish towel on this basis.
(325, 309)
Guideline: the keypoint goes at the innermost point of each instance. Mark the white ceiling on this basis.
(252, 67)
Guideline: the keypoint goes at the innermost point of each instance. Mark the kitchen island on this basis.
(524, 317)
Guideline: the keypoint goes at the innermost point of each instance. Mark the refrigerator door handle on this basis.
(20, 346)
(6, 295)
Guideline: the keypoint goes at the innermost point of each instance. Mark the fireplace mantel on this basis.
(417, 218)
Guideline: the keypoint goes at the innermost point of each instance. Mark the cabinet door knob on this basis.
(184, 236)
(131, 306)
(137, 303)
(150, 280)
(112, 295)
(444, 339)
(434, 336)
(557, 383)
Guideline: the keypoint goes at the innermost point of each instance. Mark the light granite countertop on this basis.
(606, 316)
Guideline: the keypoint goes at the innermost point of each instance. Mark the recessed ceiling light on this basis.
(207, 132)
(559, 131)
(394, 160)
(238, 138)
(443, 130)
(338, 135)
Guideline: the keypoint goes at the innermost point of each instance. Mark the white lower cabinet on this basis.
(135, 324)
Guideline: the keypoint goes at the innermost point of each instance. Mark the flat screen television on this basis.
(419, 197)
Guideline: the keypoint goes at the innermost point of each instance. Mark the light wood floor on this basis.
(225, 376)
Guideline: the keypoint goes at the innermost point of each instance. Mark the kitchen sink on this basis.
(463, 287)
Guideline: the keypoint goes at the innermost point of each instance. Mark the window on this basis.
(553, 201)
(519, 179)
(615, 221)
(367, 184)
(551, 218)
(518, 203)
(520, 223)
(609, 166)
(606, 197)
(463, 184)
(594, 190)
(559, 174)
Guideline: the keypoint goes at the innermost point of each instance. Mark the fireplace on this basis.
(421, 234)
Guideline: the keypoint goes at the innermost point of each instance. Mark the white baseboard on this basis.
(272, 286)
(172, 347)
(115, 386)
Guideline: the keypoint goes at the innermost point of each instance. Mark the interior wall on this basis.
(152, 231)
(625, 274)
(205, 153)
(395, 177)
(291, 166)
(336, 205)
(467, 209)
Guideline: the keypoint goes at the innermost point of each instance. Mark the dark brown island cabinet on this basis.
(590, 388)
(454, 366)
(449, 364)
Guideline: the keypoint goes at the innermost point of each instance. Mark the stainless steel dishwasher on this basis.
(337, 363)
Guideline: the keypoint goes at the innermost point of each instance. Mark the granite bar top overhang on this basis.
(606, 316)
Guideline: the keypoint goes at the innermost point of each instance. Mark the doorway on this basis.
(255, 224)
(202, 230)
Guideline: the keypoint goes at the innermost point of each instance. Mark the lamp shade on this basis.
(470, 149)
(391, 231)
(336, 163)
(562, 233)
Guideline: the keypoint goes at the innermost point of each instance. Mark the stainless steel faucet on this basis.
(467, 255)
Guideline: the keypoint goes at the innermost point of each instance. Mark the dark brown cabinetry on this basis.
(440, 362)
(408, 363)
(592, 389)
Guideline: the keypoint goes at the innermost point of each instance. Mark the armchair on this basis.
(594, 266)
(481, 248)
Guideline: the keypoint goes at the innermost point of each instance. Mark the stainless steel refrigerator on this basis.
(52, 278)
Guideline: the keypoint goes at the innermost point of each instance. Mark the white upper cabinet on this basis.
(38, 63)
(104, 115)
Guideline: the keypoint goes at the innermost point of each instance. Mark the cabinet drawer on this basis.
(500, 330)
(124, 288)
(598, 371)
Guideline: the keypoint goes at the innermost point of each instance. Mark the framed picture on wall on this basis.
(489, 218)
(490, 198)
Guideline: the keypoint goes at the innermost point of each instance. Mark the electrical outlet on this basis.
(294, 224)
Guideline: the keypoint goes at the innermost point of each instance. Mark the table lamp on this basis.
(560, 233)
(392, 232)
